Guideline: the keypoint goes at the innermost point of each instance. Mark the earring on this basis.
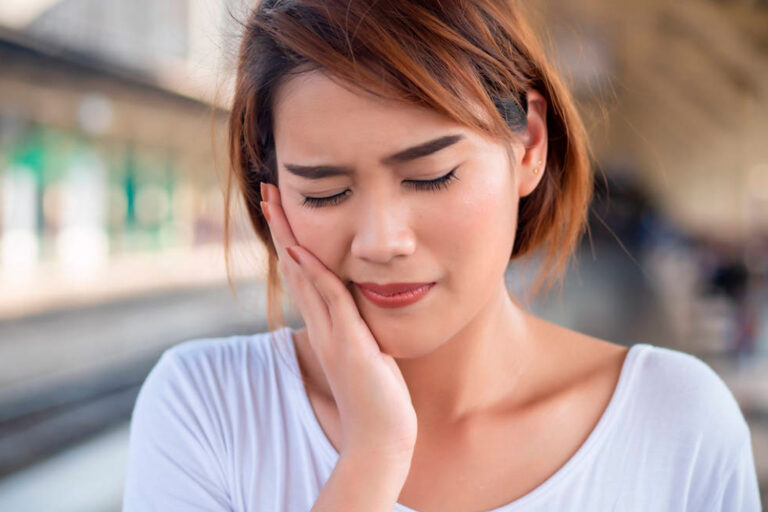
(536, 170)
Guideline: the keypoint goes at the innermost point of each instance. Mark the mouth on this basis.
(408, 294)
(393, 289)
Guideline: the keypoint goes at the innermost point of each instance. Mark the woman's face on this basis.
(381, 228)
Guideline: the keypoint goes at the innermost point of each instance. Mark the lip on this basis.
(394, 295)
(392, 288)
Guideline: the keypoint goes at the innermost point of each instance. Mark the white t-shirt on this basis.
(225, 424)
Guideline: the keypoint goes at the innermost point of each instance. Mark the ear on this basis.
(535, 145)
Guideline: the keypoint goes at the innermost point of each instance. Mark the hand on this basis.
(377, 415)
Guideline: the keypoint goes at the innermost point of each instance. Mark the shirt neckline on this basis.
(596, 436)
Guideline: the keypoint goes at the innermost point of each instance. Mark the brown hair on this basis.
(430, 53)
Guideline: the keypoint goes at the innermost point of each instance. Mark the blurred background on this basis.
(112, 159)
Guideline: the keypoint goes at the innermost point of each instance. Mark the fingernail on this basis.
(265, 210)
(264, 191)
(294, 254)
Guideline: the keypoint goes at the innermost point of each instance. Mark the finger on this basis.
(280, 230)
(312, 307)
(306, 296)
(311, 304)
(341, 305)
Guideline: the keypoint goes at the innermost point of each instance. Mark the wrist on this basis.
(393, 467)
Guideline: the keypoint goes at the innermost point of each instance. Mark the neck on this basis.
(473, 372)
(469, 374)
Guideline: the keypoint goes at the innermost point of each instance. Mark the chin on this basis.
(403, 342)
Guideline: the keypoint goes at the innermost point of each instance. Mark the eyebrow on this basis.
(317, 172)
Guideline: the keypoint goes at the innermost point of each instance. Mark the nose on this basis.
(382, 231)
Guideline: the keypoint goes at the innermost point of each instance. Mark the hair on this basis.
(430, 53)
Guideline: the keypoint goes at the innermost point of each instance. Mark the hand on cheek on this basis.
(369, 390)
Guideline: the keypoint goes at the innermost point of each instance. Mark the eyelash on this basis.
(430, 185)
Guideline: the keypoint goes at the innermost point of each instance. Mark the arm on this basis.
(357, 483)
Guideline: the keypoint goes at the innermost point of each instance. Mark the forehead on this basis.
(319, 117)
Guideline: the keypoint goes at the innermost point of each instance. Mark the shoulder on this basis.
(675, 377)
(695, 425)
(183, 428)
(206, 382)
(218, 355)
(212, 350)
(203, 407)
(194, 368)
(678, 392)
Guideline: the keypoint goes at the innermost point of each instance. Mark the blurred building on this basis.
(675, 97)
(107, 147)
(111, 165)
(676, 93)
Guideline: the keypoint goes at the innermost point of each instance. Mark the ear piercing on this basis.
(536, 170)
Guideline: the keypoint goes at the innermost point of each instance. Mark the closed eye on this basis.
(433, 185)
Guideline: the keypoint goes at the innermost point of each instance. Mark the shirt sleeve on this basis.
(739, 491)
(174, 455)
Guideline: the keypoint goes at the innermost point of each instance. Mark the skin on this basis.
(480, 370)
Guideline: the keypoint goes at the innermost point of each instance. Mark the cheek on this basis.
(311, 231)
(478, 224)
(473, 239)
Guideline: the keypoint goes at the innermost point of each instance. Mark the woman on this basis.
(420, 145)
